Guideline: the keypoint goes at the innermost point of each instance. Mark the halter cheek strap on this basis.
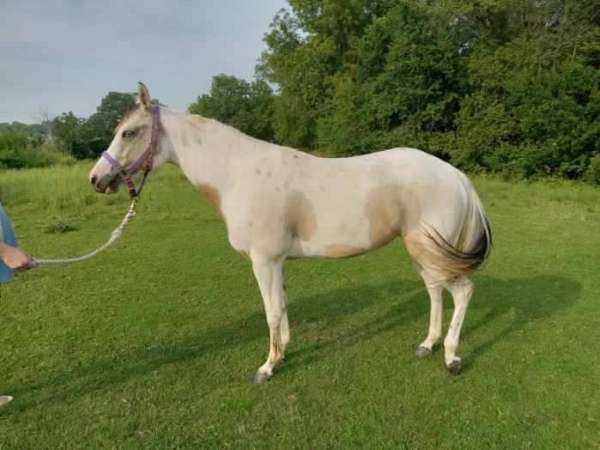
(144, 162)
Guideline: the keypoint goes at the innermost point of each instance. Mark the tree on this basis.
(535, 105)
(97, 131)
(362, 74)
(247, 106)
(499, 85)
(66, 130)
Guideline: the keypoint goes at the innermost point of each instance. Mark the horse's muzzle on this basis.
(106, 185)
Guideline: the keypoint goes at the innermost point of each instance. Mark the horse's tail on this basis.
(470, 248)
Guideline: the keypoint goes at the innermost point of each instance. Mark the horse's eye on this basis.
(128, 133)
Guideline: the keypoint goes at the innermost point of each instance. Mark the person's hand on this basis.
(16, 259)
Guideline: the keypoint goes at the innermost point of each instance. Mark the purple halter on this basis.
(144, 162)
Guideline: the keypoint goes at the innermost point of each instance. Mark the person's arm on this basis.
(14, 258)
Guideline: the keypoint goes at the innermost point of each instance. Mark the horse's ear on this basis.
(143, 97)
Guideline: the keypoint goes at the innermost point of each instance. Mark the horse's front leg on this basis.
(269, 275)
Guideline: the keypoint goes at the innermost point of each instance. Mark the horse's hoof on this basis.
(261, 378)
(455, 367)
(5, 399)
(422, 351)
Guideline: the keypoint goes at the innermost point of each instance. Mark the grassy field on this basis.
(152, 344)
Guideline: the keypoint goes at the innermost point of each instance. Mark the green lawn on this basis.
(153, 343)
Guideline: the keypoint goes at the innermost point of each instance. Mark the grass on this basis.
(152, 344)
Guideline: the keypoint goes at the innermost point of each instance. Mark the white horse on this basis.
(278, 202)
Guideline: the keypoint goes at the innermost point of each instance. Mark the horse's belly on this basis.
(350, 236)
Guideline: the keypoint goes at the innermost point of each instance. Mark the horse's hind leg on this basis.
(434, 289)
(462, 291)
(269, 275)
(434, 283)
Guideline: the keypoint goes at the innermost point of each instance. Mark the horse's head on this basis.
(137, 145)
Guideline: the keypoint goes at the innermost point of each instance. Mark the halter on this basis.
(144, 162)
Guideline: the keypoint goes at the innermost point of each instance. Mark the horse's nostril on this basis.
(93, 179)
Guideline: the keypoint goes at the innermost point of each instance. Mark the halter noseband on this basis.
(144, 162)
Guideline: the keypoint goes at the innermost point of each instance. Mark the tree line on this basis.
(506, 86)
(510, 86)
(65, 138)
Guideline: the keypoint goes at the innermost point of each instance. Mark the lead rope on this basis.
(116, 234)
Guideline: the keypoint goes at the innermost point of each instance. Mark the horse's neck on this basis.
(204, 149)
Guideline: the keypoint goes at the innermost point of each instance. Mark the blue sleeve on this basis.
(8, 237)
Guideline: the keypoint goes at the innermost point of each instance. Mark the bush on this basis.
(18, 150)
(593, 172)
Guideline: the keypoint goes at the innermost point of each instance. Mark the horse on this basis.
(279, 203)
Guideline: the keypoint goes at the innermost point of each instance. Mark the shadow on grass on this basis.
(530, 299)
(527, 299)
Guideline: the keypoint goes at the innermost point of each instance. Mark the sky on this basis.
(65, 55)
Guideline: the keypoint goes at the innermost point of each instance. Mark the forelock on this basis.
(128, 115)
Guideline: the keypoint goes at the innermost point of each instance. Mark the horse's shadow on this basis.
(523, 300)
(529, 299)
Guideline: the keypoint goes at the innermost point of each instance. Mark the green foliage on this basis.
(64, 138)
(405, 81)
(19, 149)
(506, 86)
(96, 132)
(541, 115)
(35, 132)
(362, 75)
(243, 105)
(66, 130)
(593, 171)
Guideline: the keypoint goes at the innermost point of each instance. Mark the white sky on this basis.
(65, 55)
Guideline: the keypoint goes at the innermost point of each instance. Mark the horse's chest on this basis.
(258, 225)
